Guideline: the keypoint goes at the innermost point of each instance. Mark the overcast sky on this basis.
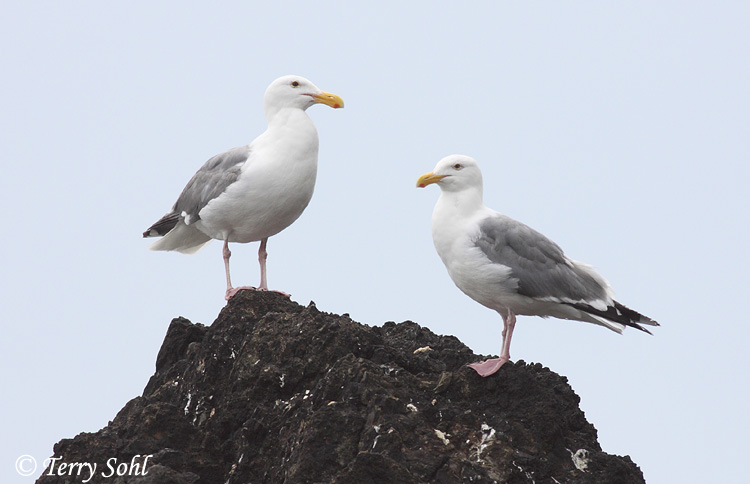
(619, 129)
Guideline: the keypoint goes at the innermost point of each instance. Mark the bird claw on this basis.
(488, 367)
(233, 291)
(277, 292)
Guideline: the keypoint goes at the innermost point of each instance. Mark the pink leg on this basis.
(231, 291)
(262, 256)
(491, 366)
(227, 254)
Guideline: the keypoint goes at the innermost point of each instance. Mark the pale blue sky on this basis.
(618, 129)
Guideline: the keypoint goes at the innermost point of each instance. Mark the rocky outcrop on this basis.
(274, 392)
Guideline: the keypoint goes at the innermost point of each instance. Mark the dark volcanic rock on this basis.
(274, 392)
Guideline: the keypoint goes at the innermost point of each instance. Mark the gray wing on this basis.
(539, 264)
(210, 181)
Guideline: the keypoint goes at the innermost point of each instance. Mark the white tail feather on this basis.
(616, 327)
(183, 238)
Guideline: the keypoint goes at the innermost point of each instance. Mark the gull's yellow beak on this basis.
(328, 99)
(428, 179)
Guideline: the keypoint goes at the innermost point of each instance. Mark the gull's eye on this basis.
(295, 83)
(457, 166)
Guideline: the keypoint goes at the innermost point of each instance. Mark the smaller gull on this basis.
(510, 267)
(252, 192)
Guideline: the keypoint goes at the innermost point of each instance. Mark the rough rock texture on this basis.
(273, 392)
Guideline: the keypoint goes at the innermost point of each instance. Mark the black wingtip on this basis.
(621, 314)
(162, 226)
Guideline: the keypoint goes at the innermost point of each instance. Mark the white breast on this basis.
(276, 184)
(453, 233)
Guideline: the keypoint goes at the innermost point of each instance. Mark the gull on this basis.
(251, 192)
(509, 267)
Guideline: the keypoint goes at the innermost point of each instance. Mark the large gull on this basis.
(510, 267)
(252, 192)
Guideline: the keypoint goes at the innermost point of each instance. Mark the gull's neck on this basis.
(454, 211)
(287, 121)
(461, 204)
(292, 135)
(281, 115)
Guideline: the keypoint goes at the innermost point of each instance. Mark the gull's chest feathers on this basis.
(274, 188)
(454, 233)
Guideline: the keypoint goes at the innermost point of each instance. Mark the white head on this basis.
(454, 173)
(296, 92)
